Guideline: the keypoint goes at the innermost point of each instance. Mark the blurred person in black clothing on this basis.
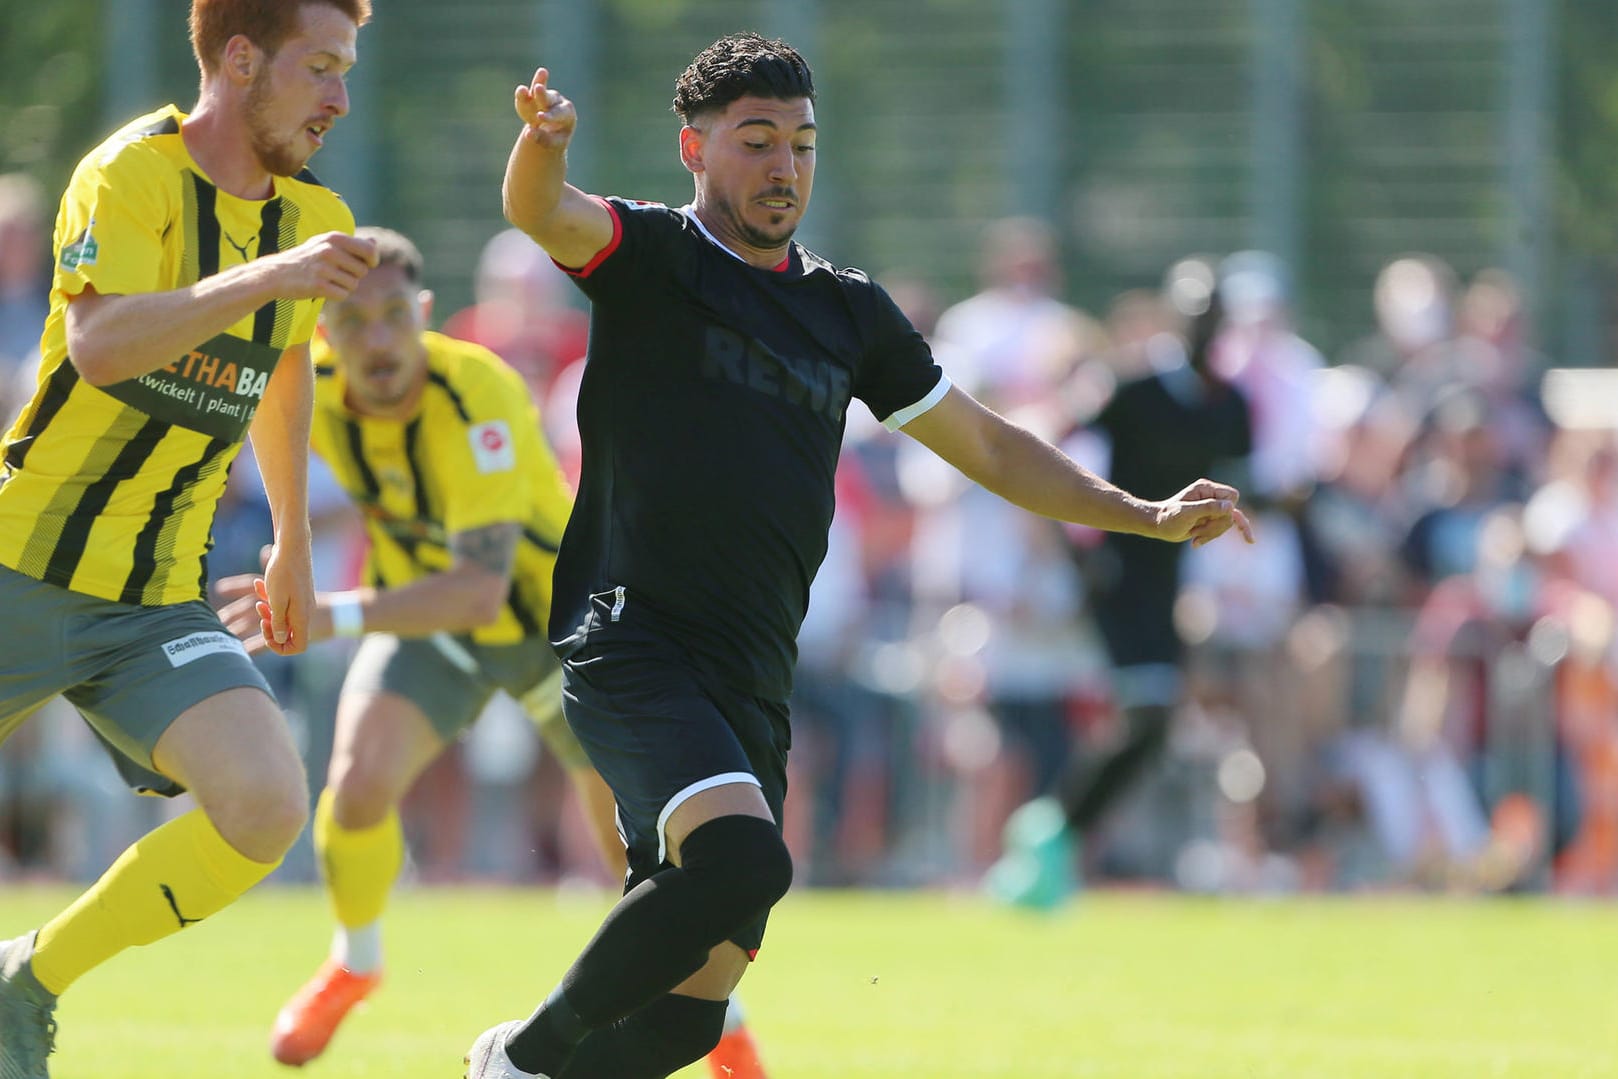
(1163, 429)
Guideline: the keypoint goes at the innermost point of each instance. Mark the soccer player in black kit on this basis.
(722, 359)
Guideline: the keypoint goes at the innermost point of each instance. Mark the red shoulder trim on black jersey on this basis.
(600, 256)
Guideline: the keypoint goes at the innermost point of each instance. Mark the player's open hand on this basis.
(1201, 513)
(549, 115)
(324, 267)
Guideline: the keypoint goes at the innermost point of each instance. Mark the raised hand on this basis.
(549, 115)
(1201, 513)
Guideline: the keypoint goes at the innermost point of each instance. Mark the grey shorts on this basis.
(451, 678)
(130, 671)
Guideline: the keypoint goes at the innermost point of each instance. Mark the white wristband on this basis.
(347, 616)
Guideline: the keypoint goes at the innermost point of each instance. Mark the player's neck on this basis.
(716, 228)
(396, 413)
(220, 144)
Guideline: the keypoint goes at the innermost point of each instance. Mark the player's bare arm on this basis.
(1029, 472)
(468, 595)
(111, 338)
(280, 434)
(571, 226)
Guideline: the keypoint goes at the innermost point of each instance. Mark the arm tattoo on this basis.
(492, 547)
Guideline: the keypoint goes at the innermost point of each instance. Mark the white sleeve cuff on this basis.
(910, 412)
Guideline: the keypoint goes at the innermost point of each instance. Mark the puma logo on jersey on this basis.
(817, 386)
(174, 905)
(241, 249)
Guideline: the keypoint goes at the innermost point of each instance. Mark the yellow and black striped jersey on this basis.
(472, 455)
(111, 491)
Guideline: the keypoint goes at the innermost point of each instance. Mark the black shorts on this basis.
(659, 732)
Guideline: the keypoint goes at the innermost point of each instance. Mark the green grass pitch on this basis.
(916, 986)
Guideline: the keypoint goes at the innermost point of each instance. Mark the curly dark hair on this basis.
(739, 65)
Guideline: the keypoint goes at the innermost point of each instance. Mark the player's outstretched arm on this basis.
(280, 434)
(1024, 469)
(571, 226)
(468, 595)
(116, 337)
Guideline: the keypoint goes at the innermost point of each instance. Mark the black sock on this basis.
(1097, 782)
(660, 1039)
(734, 869)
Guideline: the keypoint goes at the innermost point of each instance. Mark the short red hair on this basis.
(266, 23)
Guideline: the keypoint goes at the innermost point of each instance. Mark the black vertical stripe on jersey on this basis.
(519, 610)
(69, 550)
(418, 477)
(57, 390)
(437, 379)
(356, 450)
(143, 565)
(207, 226)
(269, 242)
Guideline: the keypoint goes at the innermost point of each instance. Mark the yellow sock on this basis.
(360, 866)
(176, 875)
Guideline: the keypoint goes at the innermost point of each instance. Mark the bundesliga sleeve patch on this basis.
(82, 251)
(492, 448)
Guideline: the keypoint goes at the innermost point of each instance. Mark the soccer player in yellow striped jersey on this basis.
(439, 444)
(193, 251)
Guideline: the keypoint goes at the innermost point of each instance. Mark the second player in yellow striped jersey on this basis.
(438, 441)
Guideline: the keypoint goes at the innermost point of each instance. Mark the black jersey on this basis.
(1167, 430)
(711, 414)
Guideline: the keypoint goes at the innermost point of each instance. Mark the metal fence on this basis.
(1337, 134)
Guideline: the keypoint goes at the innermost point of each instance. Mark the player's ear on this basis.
(241, 59)
(424, 304)
(691, 148)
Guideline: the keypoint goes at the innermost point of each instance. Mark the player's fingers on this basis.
(523, 102)
(1207, 529)
(242, 610)
(1243, 525)
(278, 627)
(297, 622)
(261, 590)
(1205, 490)
(235, 587)
(271, 618)
(266, 631)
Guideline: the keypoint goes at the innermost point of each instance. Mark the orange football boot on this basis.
(311, 1017)
(736, 1057)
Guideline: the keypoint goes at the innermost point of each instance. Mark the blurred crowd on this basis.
(1408, 681)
